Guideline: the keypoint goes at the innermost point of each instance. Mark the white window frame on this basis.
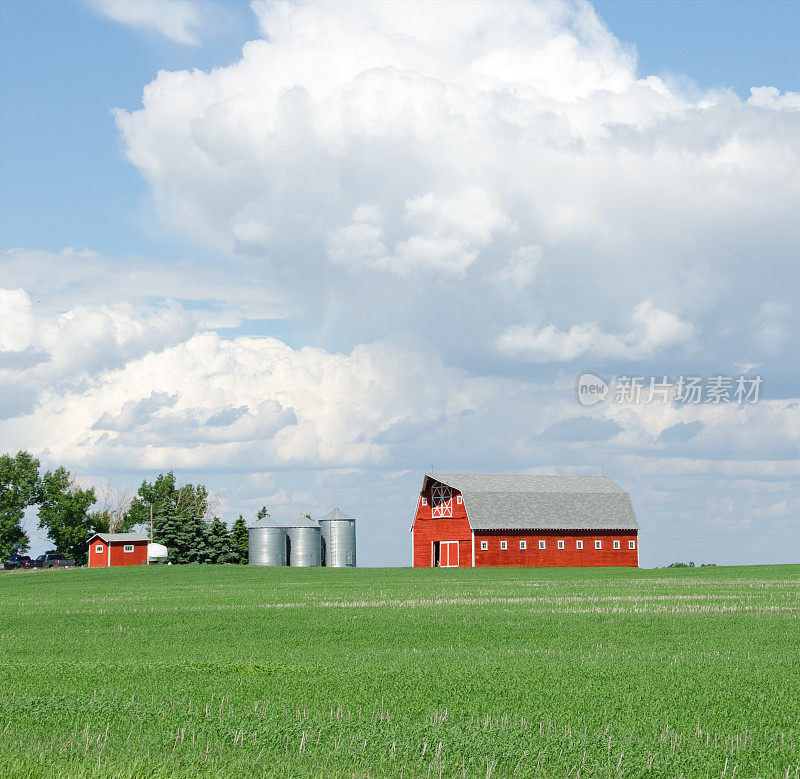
(503, 545)
(617, 545)
(631, 544)
(459, 499)
(423, 501)
(579, 544)
(523, 544)
(127, 548)
(484, 546)
(560, 544)
(598, 544)
(542, 544)
(441, 500)
(98, 549)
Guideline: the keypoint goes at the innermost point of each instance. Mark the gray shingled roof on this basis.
(337, 513)
(123, 537)
(502, 502)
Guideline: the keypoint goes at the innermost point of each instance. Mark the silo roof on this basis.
(337, 513)
(302, 522)
(266, 522)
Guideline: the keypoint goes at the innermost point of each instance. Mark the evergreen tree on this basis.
(240, 540)
(179, 517)
(64, 513)
(219, 543)
(19, 488)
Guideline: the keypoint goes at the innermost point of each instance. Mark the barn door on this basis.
(449, 554)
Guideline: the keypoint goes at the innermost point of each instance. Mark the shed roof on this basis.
(526, 502)
(113, 538)
(337, 513)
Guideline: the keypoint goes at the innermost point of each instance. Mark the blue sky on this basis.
(292, 275)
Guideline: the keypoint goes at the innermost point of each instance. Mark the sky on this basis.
(304, 253)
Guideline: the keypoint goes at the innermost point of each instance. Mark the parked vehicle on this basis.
(18, 561)
(53, 560)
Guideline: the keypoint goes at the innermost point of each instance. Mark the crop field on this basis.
(239, 671)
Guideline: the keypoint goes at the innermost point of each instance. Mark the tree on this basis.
(181, 516)
(112, 516)
(240, 540)
(219, 543)
(64, 513)
(19, 488)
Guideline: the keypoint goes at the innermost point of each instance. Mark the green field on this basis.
(222, 670)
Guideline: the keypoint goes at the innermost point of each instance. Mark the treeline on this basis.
(182, 517)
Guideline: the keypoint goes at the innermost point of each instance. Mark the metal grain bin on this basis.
(338, 539)
(267, 543)
(304, 543)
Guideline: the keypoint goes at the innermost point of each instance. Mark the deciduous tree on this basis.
(64, 513)
(19, 488)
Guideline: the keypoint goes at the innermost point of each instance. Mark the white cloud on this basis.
(653, 331)
(177, 20)
(519, 271)
(446, 234)
(430, 148)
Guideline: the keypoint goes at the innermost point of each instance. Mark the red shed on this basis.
(485, 520)
(114, 549)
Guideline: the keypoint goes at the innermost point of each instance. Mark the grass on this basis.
(202, 670)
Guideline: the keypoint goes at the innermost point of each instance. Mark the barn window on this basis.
(523, 544)
(560, 544)
(598, 544)
(616, 544)
(424, 502)
(127, 548)
(484, 545)
(631, 544)
(542, 545)
(579, 544)
(441, 501)
(504, 544)
(98, 549)
(459, 499)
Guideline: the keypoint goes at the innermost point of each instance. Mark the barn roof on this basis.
(503, 502)
(337, 513)
(128, 538)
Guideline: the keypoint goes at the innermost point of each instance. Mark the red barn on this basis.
(114, 549)
(483, 520)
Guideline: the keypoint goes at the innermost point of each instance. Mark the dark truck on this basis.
(53, 560)
(17, 561)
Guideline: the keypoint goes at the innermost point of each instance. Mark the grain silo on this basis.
(338, 539)
(304, 543)
(267, 541)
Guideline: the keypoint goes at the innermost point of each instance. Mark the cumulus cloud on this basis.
(213, 401)
(380, 152)
(177, 20)
(653, 330)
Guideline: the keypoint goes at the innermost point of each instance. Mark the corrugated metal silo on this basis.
(304, 543)
(267, 541)
(338, 539)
